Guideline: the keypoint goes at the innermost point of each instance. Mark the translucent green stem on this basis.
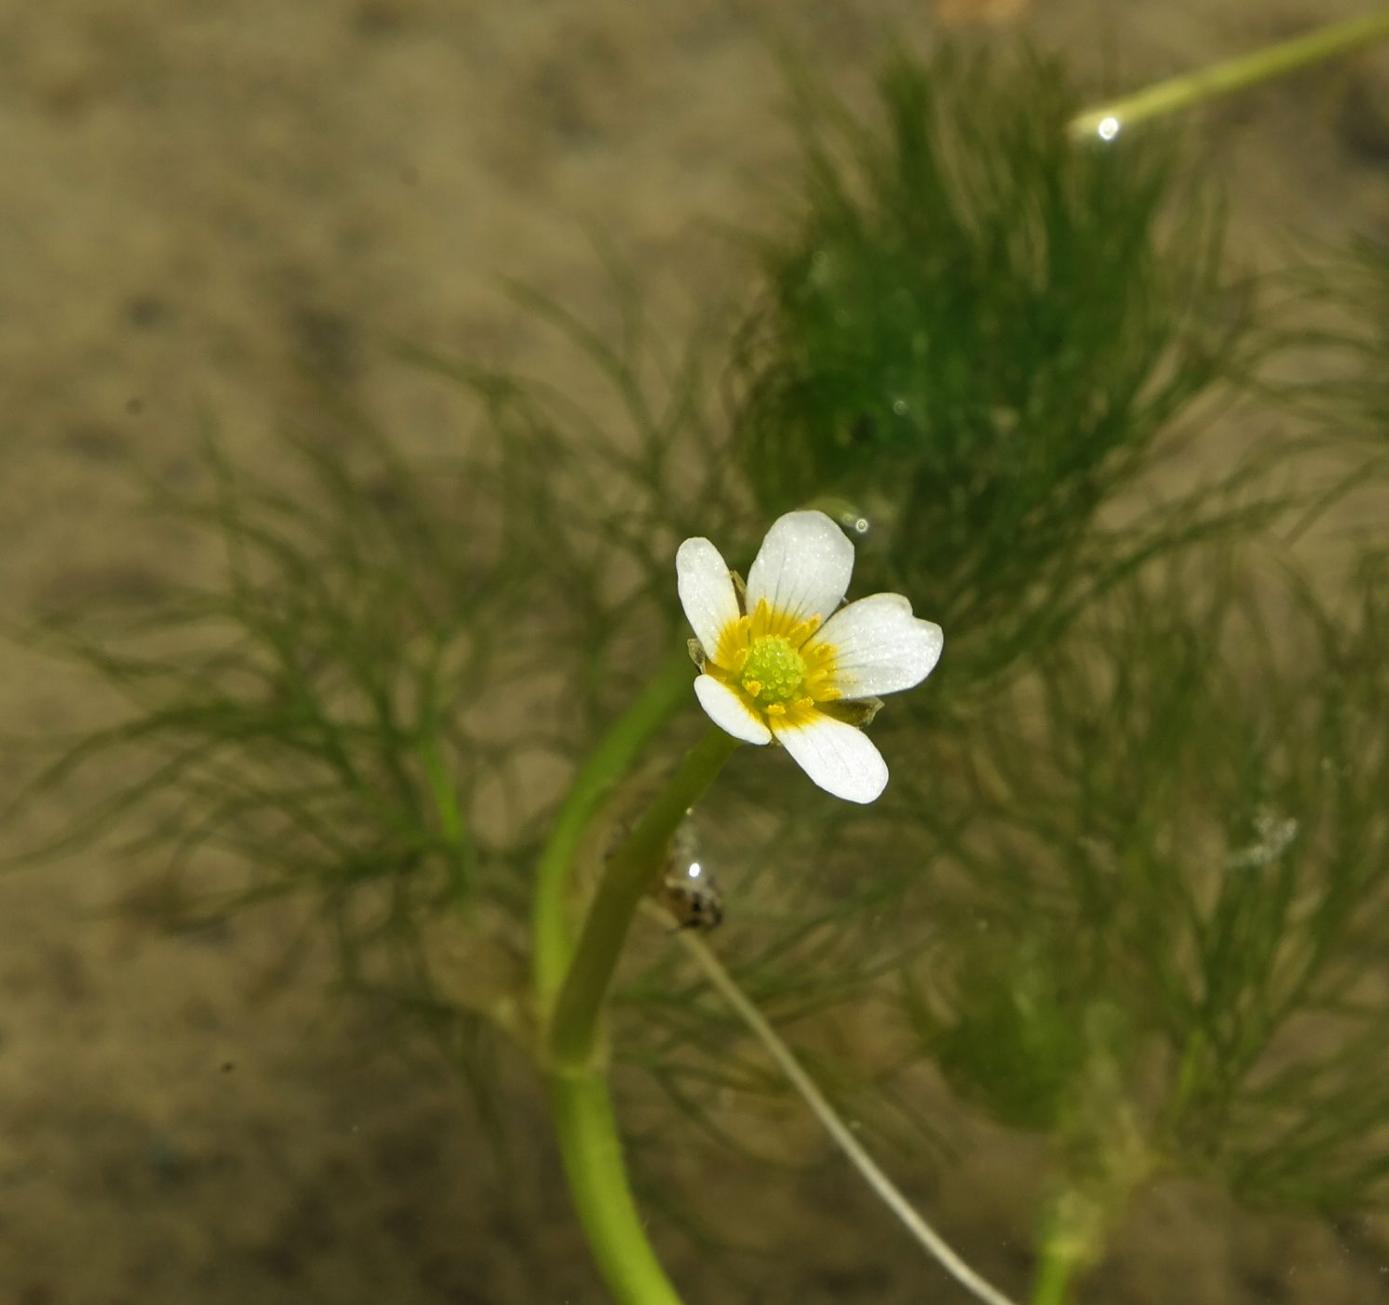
(612, 759)
(1055, 1272)
(592, 1152)
(626, 879)
(1231, 75)
(580, 1102)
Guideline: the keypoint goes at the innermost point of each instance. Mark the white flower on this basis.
(785, 665)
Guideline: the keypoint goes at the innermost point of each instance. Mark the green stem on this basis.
(452, 828)
(617, 751)
(1057, 1268)
(589, 1142)
(627, 877)
(592, 1153)
(1230, 75)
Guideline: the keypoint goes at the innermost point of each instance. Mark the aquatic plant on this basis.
(978, 331)
(1155, 929)
(1121, 888)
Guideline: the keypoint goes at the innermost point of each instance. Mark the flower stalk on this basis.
(609, 762)
(592, 1152)
(1229, 75)
(1056, 1271)
(573, 1029)
(767, 678)
(580, 1103)
(840, 1132)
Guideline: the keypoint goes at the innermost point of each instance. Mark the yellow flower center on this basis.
(773, 660)
(774, 671)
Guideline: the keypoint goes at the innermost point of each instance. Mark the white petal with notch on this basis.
(880, 647)
(727, 710)
(706, 591)
(842, 760)
(803, 566)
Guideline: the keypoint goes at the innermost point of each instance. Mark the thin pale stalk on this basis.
(1107, 120)
(883, 1187)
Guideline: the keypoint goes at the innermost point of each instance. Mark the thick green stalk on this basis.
(581, 1106)
(592, 1152)
(627, 877)
(1051, 1284)
(1106, 120)
(612, 759)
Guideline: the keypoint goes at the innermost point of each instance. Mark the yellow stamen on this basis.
(732, 648)
(774, 672)
(765, 620)
(768, 657)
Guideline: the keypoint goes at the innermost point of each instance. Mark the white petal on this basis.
(803, 566)
(880, 647)
(706, 591)
(727, 711)
(839, 758)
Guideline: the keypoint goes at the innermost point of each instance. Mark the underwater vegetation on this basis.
(1126, 888)
(984, 331)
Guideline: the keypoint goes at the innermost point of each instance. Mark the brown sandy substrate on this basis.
(197, 203)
